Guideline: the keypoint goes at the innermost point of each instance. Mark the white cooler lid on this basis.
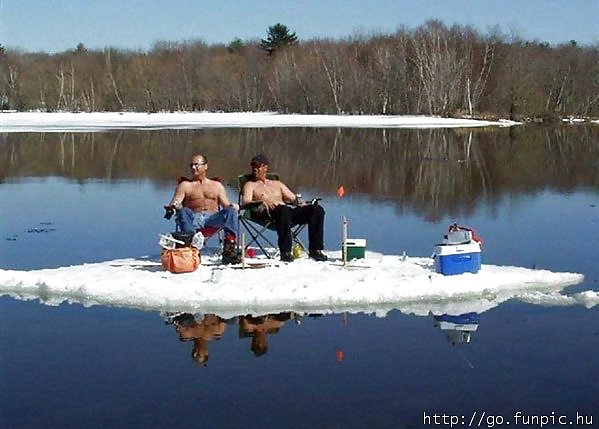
(456, 249)
(357, 242)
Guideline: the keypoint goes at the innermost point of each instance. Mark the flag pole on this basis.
(243, 250)
(344, 235)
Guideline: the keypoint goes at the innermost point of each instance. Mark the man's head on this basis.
(259, 344)
(259, 165)
(200, 353)
(198, 165)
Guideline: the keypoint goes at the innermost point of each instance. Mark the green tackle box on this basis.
(356, 248)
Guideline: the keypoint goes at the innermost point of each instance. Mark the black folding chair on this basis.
(258, 225)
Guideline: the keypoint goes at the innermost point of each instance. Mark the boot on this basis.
(230, 255)
(318, 255)
(286, 257)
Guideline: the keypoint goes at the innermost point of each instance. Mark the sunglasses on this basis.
(256, 164)
(196, 164)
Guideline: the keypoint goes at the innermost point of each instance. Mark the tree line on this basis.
(432, 69)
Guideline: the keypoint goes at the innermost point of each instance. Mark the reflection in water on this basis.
(259, 328)
(203, 329)
(434, 172)
(201, 332)
(458, 328)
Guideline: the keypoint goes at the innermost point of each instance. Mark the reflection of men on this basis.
(210, 328)
(274, 194)
(259, 327)
(196, 202)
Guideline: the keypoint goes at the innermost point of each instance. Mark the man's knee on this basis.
(282, 212)
(185, 211)
(228, 212)
(184, 219)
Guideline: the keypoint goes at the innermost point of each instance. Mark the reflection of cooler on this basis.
(458, 328)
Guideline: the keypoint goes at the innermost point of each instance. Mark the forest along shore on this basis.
(431, 70)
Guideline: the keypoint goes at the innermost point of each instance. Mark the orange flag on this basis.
(341, 192)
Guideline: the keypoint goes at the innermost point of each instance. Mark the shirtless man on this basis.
(273, 195)
(196, 204)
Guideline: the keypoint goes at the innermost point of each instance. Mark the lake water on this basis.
(531, 192)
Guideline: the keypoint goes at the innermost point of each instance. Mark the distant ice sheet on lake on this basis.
(376, 284)
(101, 121)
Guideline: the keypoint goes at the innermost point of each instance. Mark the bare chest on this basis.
(266, 189)
(201, 197)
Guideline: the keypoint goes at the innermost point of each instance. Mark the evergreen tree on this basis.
(236, 46)
(80, 49)
(278, 36)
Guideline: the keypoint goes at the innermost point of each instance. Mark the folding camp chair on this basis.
(257, 227)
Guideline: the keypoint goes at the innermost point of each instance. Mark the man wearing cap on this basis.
(196, 205)
(274, 194)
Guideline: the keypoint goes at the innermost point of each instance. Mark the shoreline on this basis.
(15, 122)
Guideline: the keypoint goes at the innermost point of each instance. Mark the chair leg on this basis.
(295, 236)
(256, 235)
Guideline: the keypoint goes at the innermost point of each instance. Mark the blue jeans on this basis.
(190, 221)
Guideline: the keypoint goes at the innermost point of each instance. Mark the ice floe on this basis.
(377, 284)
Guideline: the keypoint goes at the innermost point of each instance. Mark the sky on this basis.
(58, 25)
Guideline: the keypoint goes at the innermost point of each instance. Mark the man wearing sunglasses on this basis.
(274, 194)
(196, 203)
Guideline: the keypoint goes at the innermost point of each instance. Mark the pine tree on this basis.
(236, 46)
(278, 36)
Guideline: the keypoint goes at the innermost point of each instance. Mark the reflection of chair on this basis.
(257, 222)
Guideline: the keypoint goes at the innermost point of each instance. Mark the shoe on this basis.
(230, 255)
(286, 257)
(318, 255)
(231, 260)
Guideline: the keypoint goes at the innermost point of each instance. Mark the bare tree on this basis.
(441, 70)
(112, 79)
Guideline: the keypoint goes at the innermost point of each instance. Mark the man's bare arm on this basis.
(288, 196)
(222, 198)
(247, 193)
(179, 195)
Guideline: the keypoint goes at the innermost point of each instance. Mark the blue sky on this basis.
(57, 25)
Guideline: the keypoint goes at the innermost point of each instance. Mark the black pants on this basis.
(310, 214)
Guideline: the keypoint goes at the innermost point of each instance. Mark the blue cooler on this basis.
(453, 259)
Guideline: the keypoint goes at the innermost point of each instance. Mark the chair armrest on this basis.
(250, 205)
(313, 201)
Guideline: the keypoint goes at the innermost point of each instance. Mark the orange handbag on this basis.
(180, 260)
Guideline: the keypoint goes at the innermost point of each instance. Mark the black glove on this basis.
(170, 211)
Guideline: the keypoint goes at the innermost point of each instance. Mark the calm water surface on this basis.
(532, 193)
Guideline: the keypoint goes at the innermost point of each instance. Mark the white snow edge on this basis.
(100, 121)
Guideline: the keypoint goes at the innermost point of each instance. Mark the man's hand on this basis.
(270, 203)
(170, 211)
(234, 206)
